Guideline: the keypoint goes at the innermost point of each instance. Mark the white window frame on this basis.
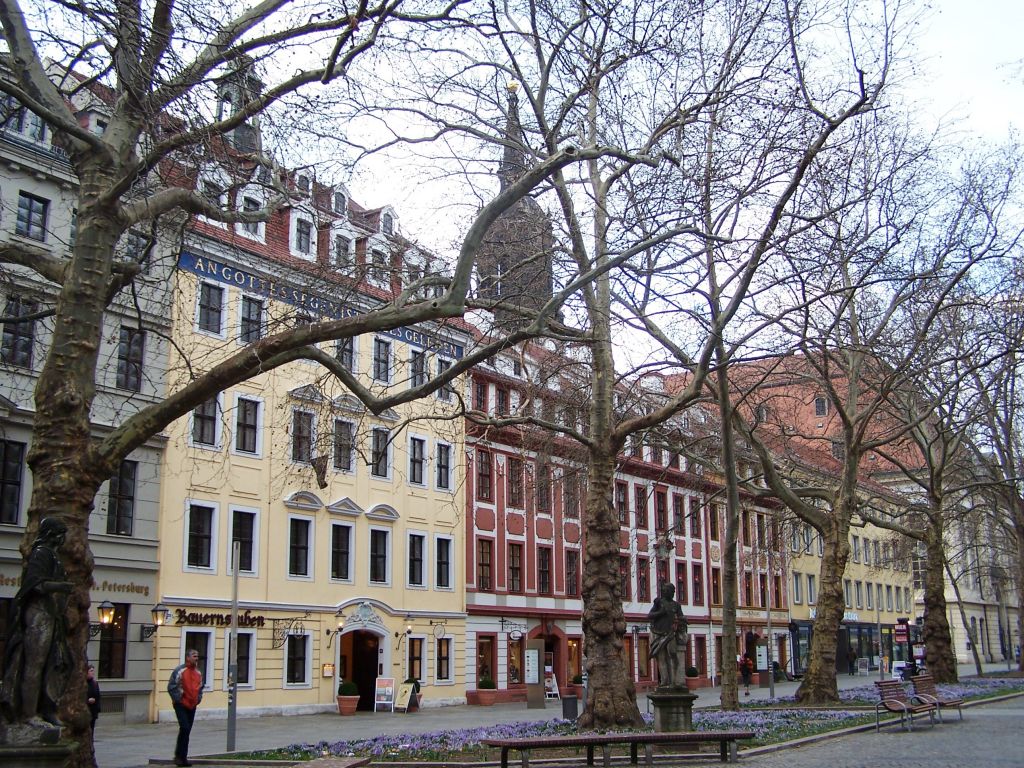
(343, 230)
(258, 454)
(303, 213)
(388, 454)
(888, 597)
(355, 353)
(218, 428)
(215, 175)
(425, 575)
(436, 463)
(308, 683)
(291, 436)
(211, 651)
(848, 593)
(378, 242)
(258, 194)
(310, 548)
(388, 556)
(257, 522)
(214, 541)
(856, 549)
(425, 459)
(263, 317)
(812, 589)
(798, 581)
(251, 685)
(222, 333)
(351, 552)
(869, 594)
(353, 452)
(858, 594)
(451, 660)
(390, 360)
(437, 566)
(446, 392)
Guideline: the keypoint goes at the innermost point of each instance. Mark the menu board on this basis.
(384, 694)
(405, 694)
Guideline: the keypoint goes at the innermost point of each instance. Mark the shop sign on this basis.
(197, 619)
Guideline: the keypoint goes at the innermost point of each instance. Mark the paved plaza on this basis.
(991, 735)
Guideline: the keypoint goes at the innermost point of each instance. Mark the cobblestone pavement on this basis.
(991, 736)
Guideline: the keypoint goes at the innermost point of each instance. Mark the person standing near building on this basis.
(186, 689)
(746, 672)
(92, 697)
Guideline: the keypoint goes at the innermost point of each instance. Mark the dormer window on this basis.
(302, 183)
(99, 126)
(387, 224)
(378, 265)
(303, 236)
(340, 203)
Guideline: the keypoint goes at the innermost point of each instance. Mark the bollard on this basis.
(570, 710)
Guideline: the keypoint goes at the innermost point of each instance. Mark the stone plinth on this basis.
(673, 709)
(36, 756)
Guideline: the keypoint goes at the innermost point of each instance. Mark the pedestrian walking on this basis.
(186, 689)
(92, 697)
(746, 672)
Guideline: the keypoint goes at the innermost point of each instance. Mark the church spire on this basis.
(513, 160)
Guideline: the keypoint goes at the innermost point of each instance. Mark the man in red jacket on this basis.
(186, 689)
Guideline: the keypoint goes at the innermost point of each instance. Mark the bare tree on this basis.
(661, 84)
(880, 270)
(157, 69)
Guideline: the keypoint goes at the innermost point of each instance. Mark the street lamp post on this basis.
(768, 600)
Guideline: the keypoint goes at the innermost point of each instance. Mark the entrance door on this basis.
(364, 666)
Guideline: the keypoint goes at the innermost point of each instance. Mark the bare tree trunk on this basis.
(1019, 530)
(963, 620)
(819, 682)
(612, 698)
(939, 656)
(65, 469)
(730, 697)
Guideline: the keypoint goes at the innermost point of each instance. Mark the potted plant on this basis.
(577, 682)
(692, 673)
(348, 697)
(486, 691)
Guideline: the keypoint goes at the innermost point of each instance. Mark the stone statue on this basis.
(37, 662)
(668, 628)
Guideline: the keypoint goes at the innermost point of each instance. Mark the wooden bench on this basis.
(894, 698)
(726, 740)
(924, 689)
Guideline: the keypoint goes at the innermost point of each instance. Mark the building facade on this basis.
(347, 524)
(38, 194)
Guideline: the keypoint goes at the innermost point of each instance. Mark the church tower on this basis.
(515, 262)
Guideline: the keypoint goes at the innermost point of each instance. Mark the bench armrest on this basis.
(926, 698)
(891, 705)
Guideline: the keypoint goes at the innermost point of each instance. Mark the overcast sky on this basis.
(971, 55)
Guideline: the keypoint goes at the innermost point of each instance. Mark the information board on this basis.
(384, 694)
(532, 666)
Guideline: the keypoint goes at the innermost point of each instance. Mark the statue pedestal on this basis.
(36, 756)
(673, 709)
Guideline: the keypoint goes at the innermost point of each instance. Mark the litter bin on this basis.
(570, 710)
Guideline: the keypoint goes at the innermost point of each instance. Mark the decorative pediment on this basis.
(307, 392)
(345, 507)
(349, 404)
(383, 512)
(305, 501)
(389, 415)
(365, 617)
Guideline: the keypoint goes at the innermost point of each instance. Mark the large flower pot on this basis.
(347, 705)
(486, 697)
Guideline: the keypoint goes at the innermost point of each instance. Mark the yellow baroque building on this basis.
(347, 525)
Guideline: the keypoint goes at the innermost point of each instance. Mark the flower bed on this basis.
(772, 721)
(866, 695)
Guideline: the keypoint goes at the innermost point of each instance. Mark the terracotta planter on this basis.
(347, 705)
(486, 697)
(578, 689)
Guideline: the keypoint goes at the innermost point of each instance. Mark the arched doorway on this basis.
(364, 666)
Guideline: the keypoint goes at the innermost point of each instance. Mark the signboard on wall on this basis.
(384, 694)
